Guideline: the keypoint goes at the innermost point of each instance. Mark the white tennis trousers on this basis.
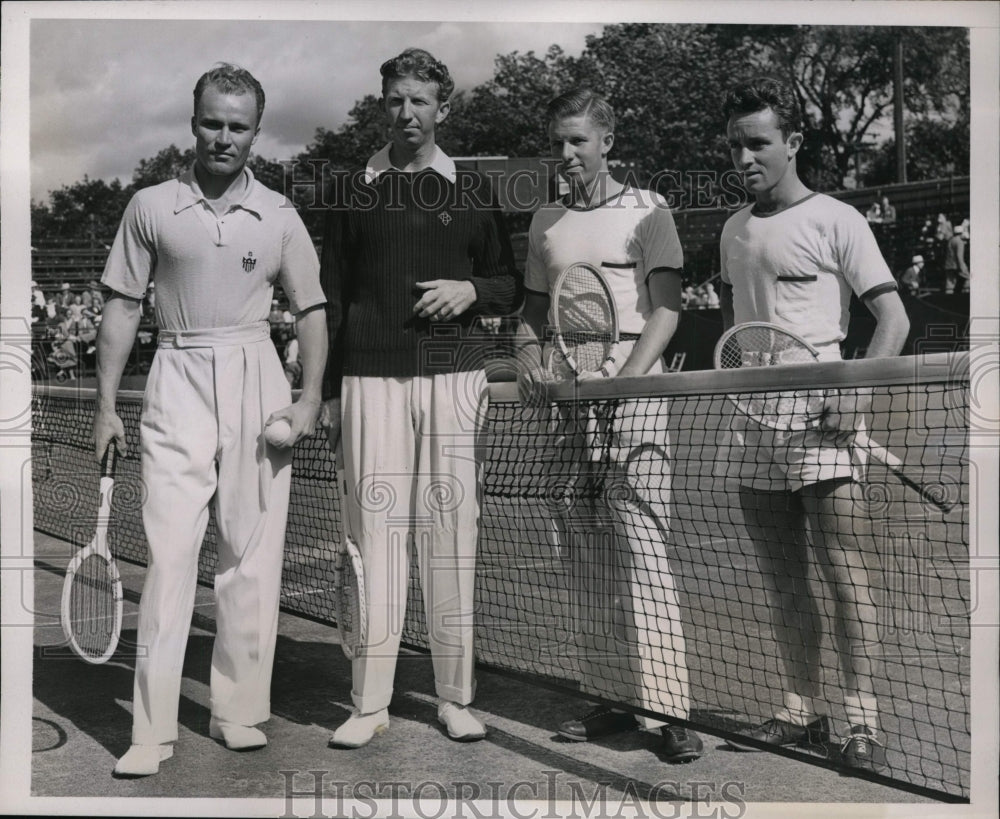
(206, 400)
(626, 613)
(412, 451)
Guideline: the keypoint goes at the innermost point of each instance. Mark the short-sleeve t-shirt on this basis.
(798, 267)
(212, 271)
(628, 237)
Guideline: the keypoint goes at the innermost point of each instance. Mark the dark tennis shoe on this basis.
(862, 750)
(597, 723)
(680, 744)
(780, 732)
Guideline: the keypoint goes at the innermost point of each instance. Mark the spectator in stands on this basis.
(965, 230)
(954, 264)
(86, 331)
(912, 277)
(74, 311)
(888, 211)
(711, 297)
(64, 298)
(944, 230)
(701, 296)
(687, 297)
(93, 298)
(64, 351)
(37, 303)
(927, 236)
(874, 213)
(276, 324)
(149, 303)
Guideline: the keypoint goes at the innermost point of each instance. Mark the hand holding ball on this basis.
(278, 433)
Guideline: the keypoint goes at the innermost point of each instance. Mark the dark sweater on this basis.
(379, 240)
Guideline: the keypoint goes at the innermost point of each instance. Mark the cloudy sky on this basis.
(106, 93)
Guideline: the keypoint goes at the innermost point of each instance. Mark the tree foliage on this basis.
(844, 78)
(169, 163)
(667, 83)
(86, 211)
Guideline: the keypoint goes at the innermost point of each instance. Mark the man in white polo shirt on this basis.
(216, 241)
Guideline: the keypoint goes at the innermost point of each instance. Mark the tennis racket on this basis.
(91, 611)
(761, 344)
(586, 322)
(349, 583)
(586, 338)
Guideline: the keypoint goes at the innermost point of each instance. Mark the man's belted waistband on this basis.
(215, 336)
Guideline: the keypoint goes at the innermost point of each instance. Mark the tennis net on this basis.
(615, 560)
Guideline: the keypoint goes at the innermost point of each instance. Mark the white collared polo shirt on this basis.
(213, 271)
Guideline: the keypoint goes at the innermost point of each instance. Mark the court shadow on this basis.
(94, 699)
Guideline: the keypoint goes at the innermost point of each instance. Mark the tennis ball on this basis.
(278, 433)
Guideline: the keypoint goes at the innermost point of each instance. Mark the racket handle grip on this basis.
(896, 466)
(109, 461)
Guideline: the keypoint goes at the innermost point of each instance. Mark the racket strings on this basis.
(754, 345)
(587, 324)
(93, 606)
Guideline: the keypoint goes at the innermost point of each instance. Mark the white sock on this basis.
(797, 709)
(862, 709)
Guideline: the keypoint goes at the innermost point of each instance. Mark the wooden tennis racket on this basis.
(91, 610)
(586, 322)
(586, 338)
(350, 601)
(761, 344)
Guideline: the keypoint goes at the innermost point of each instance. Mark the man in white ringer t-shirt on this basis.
(629, 234)
(794, 258)
(216, 241)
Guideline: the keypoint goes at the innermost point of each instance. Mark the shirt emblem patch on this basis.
(249, 262)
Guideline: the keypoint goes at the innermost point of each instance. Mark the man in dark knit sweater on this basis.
(414, 252)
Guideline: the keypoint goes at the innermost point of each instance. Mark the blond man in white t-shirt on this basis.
(629, 234)
(794, 258)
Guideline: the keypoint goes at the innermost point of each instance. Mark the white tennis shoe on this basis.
(359, 729)
(461, 724)
(143, 760)
(237, 737)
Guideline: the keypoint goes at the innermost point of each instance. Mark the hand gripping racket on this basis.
(586, 336)
(91, 611)
(761, 344)
(349, 583)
